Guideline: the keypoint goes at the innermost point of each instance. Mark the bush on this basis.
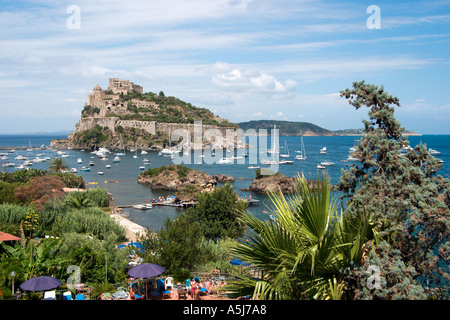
(180, 275)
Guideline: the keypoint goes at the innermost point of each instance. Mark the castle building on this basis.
(123, 86)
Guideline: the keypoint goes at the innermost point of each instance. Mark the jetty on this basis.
(172, 204)
(250, 202)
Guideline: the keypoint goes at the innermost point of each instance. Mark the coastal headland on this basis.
(123, 117)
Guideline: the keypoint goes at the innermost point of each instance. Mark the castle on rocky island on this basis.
(113, 109)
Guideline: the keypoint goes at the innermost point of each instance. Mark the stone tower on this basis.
(123, 86)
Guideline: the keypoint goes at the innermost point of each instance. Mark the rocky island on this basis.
(185, 181)
(271, 182)
(267, 182)
(123, 117)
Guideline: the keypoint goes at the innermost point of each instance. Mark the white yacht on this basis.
(351, 158)
(323, 150)
(431, 151)
(225, 160)
(146, 206)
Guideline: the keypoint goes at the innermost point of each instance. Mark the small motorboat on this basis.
(146, 206)
(433, 151)
(85, 169)
(101, 173)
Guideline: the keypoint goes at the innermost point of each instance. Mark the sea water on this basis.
(121, 178)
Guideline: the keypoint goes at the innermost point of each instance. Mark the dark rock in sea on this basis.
(274, 182)
(222, 178)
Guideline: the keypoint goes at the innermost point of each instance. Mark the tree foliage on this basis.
(217, 212)
(58, 165)
(40, 190)
(176, 246)
(304, 249)
(403, 191)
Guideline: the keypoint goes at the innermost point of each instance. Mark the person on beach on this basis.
(195, 289)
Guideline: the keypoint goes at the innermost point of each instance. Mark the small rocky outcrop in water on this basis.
(264, 184)
(222, 178)
(274, 182)
(185, 181)
(173, 177)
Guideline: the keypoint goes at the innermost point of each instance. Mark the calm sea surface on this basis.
(127, 191)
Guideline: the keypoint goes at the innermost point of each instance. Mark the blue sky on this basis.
(242, 59)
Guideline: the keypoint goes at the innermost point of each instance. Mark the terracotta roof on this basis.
(7, 237)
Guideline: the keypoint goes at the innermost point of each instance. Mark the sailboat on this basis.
(122, 153)
(135, 153)
(302, 155)
(169, 151)
(285, 155)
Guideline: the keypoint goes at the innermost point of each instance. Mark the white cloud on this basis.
(250, 82)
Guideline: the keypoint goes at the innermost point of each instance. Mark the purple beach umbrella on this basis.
(145, 270)
(42, 283)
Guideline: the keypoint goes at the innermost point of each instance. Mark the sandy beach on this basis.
(131, 228)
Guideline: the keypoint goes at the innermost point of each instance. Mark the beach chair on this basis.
(162, 289)
(188, 285)
(134, 292)
(50, 295)
(67, 295)
(169, 283)
(207, 288)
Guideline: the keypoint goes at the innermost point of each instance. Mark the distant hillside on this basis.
(358, 132)
(287, 128)
(349, 132)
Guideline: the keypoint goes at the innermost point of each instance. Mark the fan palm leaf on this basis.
(306, 244)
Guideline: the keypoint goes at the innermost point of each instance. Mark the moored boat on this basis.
(146, 206)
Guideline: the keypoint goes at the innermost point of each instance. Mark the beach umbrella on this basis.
(237, 262)
(42, 283)
(146, 270)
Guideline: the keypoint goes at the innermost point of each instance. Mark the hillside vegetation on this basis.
(287, 128)
(164, 109)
